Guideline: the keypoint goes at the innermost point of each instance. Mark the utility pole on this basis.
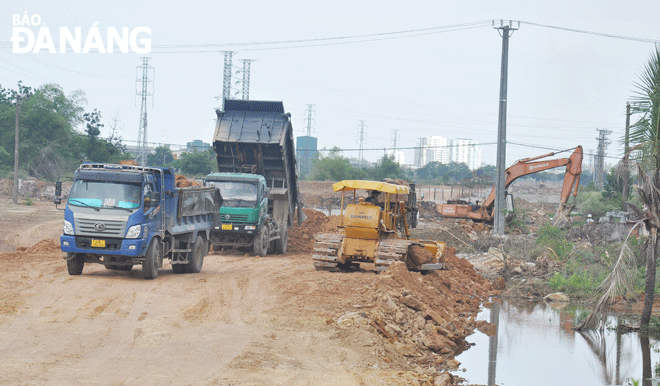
(18, 104)
(626, 171)
(498, 225)
(361, 153)
(246, 78)
(142, 130)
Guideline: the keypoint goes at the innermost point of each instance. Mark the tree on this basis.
(161, 157)
(645, 137)
(387, 167)
(93, 127)
(334, 167)
(196, 163)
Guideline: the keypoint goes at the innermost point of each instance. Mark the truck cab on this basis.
(244, 217)
(111, 210)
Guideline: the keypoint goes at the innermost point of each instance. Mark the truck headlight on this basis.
(133, 232)
(68, 228)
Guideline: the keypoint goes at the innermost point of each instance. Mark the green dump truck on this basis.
(253, 143)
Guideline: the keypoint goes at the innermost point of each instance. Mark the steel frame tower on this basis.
(246, 77)
(142, 130)
(361, 153)
(226, 76)
(600, 157)
(309, 119)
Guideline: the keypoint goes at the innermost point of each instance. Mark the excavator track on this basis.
(391, 250)
(326, 247)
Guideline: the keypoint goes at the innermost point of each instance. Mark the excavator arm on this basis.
(519, 169)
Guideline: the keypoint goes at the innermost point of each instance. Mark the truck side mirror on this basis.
(58, 193)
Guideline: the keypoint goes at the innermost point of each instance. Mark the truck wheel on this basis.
(150, 264)
(196, 258)
(281, 243)
(261, 242)
(75, 264)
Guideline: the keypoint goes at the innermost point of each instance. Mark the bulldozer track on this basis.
(326, 246)
(391, 250)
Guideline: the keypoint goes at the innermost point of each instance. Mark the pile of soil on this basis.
(301, 237)
(422, 319)
(183, 182)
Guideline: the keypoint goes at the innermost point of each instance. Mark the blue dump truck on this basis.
(123, 215)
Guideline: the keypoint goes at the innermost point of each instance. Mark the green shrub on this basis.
(582, 283)
(553, 238)
(595, 204)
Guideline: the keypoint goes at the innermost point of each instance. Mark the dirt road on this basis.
(244, 320)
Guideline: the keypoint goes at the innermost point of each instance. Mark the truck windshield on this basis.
(101, 194)
(237, 194)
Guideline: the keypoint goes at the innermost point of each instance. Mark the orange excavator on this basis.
(523, 167)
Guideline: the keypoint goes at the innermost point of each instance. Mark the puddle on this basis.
(536, 345)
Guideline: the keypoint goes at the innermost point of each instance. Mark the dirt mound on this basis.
(42, 250)
(301, 237)
(419, 316)
(183, 182)
(44, 246)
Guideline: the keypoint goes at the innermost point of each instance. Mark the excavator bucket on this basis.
(563, 216)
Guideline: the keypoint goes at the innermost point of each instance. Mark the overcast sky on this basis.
(562, 86)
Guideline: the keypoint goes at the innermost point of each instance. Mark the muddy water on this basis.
(536, 345)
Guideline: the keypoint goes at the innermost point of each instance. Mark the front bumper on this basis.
(119, 247)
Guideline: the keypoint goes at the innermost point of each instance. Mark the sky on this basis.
(441, 79)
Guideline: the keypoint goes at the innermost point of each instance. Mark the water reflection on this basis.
(536, 344)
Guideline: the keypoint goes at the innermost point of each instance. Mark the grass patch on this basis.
(579, 283)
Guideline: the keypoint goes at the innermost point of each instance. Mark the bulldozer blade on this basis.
(432, 267)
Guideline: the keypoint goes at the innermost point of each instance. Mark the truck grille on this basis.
(225, 218)
(100, 228)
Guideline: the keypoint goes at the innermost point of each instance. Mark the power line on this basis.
(346, 37)
(607, 35)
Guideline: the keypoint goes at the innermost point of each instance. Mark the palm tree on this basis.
(645, 136)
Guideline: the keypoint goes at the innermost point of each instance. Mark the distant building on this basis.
(306, 150)
(433, 149)
(465, 151)
(399, 156)
(197, 145)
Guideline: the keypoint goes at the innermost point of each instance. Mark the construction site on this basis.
(259, 320)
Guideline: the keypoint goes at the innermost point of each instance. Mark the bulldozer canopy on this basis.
(386, 187)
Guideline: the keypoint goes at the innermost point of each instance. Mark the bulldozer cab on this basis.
(381, 211)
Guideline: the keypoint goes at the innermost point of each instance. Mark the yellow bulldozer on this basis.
(375, 230)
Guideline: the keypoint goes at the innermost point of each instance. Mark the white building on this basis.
(399, 156)
(465, 151)
(445, 151)
(433, 149)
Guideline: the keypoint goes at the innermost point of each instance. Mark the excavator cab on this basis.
(375, 230)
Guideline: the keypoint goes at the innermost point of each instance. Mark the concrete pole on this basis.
(18, 104)
(500, 205)
(626, 172)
